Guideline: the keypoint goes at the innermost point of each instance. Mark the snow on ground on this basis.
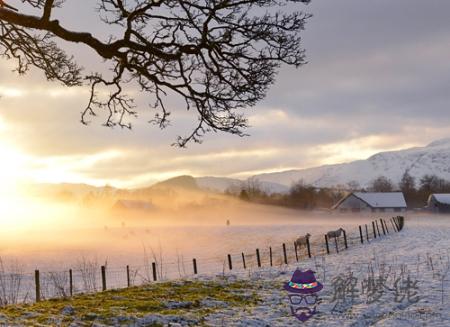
(410, 286)
(401, 279)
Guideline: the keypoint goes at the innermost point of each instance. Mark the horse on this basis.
(302, 240)
(335, 233)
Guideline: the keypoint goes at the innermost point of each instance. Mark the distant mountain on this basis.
(185, 182)
(431, 159)
(216, 184)
(68, 190)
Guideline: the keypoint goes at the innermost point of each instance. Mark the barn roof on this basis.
(442, 198)
(382, 199)
(378, 199)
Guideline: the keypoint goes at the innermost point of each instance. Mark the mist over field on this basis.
(57, 231)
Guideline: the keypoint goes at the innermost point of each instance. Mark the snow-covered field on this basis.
(400, 280)
(83, 250)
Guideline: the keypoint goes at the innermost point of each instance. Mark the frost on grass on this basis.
(182, 302)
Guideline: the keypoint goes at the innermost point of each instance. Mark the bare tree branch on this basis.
(220, 56)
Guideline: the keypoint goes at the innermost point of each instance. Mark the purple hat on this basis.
(303, 282)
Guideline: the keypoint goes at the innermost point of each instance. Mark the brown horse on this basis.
(302, 240)
(335, 233)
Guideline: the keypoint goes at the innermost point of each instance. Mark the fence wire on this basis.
(89, 277)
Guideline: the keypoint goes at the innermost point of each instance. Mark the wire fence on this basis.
(90, 277)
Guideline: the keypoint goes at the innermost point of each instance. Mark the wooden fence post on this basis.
(361, 234)
(128, 276)
(230, 264)
(326, 243)
(70, 282)
(393, 225)
(374, 231)
(155, 277)
(386, 226)
(382, 226)
(243, 261)
(367, 233)
(270, 255)
(308, 247)
(397, 223)
(401, 222)
(103, 268)
(296, 253)
(336, 244)
(37, 282)
(285, 254)
(258, 258)
(378, 230)
(194, 263)
(345, 239)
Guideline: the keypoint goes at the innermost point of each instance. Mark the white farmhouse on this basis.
(372, 202)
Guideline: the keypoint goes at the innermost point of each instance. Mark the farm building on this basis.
(372, 202)
(439, 203)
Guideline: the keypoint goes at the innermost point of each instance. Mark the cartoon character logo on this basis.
(302, 289)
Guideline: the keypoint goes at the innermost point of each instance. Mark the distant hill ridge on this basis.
(419, 161)
(184, 181)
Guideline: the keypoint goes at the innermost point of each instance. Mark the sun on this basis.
(12, 203)
(19, 210)
(12, 161)
(12, 169)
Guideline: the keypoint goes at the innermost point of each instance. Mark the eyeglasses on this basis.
(296, 299)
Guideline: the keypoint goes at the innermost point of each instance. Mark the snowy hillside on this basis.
(431, 159)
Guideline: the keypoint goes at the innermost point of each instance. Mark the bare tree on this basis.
(58, 282)
(353, 186)
(408, 186)
(219, 56)
(407, 183)
(88, 270)
(11, 278)
(434, 184)
(381, 184)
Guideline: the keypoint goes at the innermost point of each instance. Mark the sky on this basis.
(377, 79)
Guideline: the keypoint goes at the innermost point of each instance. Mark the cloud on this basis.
(377, 79)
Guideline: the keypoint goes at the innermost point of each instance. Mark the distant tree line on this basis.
(416, 192)
(308, 197)
(300, 195)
